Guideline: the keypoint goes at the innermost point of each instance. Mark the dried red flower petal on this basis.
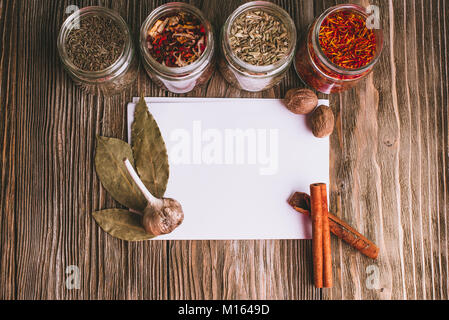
(346, 41)
(177, 40)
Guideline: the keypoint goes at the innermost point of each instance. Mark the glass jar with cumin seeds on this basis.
(97, 51)
(177, 47)
(258, 44)
(339, 49)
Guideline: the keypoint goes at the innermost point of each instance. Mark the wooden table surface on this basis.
(389, 172)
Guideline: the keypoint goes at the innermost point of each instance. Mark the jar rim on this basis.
(70, 23)
(279, 13)
(196, 66)
(322, 56)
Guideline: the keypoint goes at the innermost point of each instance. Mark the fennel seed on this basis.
(259, 38)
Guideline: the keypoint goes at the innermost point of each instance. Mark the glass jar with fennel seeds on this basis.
(258, 44)
(177, 47)
(96, 49)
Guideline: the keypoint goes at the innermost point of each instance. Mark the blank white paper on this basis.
(233, 165)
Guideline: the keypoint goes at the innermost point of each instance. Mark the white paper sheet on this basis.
(231, 190)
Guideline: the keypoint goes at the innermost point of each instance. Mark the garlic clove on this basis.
(161, 216)
(165, 220)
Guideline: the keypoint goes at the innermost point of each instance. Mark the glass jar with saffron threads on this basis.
(96, 49)
(339, 50)
(258, 42)
(177, 47)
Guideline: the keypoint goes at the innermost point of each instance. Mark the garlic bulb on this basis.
(161, 216)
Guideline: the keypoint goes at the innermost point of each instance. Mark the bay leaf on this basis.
(113, 174)
(149, 150)
(122, 224)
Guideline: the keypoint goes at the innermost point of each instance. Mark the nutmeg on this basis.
(301, 101)
(322, 122)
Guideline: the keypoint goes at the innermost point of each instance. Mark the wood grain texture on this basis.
(389, 160)
(7, 125)
(389, 172)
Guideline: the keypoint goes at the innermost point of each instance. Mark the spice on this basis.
(322, 256)
(321, 246)
(301, 101)
(327, 250)
(301, 203)
(322, 122)
(96, 45)
(346, 41)
(259, 38)
(317, 234)
(164, 61)
(336, 53)
(177, 40)
(258, 45)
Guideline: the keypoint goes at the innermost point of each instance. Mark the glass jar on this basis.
(178, 79)
(317, 71)
(250, 77)
(115, 78)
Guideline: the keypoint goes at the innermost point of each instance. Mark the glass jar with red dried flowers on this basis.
(339, 49)
(177, 47)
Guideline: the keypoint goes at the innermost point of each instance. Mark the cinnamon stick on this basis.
(301, 203)
(316, 206)
(327, 252)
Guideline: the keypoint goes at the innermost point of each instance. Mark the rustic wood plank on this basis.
(410, 123)
(398, 15)
(414, 178)
(432, 213)
(439, 85)
(428, 283)
(445, 140)
(8, 65)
